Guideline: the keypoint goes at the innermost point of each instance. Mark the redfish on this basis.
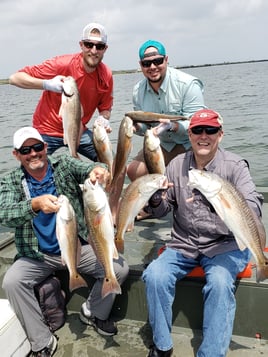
(133, 200)
(71, 113)
(66, 231)
(103, 146)
(150, 117)
(152, 152)
(233, 209)
(100, 225)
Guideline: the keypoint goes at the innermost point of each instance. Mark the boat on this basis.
(142, 245)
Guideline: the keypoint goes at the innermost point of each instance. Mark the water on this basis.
(238, 91)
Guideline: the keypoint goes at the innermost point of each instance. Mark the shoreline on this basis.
(129, 71)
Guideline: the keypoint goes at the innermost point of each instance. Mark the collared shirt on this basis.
(16, 208)
(197, 229)
(95, 89)
(179, 94)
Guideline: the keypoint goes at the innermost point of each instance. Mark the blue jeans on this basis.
(86, 147)
(218, 295)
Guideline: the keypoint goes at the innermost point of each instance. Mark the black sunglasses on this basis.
(25, 150)
(156, 62)
(209, 130)
(99, 46)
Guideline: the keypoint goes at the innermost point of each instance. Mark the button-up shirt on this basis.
(16, 207)
(179, 94)
(197, 229)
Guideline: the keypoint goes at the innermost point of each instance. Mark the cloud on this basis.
(193, 31)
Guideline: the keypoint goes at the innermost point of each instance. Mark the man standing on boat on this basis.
(199, 237)
(29, 203)
(95, 85)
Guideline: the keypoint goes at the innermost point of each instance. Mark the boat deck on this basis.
(130, 311)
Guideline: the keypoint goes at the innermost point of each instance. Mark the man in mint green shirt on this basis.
(164, 90)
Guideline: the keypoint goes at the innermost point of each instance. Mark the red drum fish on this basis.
(133, 200)
(70, 111)
(66, 231)
(233, 209)
(100, 225)
(150, 117)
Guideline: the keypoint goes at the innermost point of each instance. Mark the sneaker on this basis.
(49, 350)
(103, 327)
(155, 352)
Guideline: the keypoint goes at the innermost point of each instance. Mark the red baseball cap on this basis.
(206, 117)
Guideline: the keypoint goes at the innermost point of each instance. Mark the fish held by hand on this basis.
(233, 209)
(100, 225)
(66, 232)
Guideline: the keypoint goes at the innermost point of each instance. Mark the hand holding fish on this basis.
(45, 203)
(101, 175)
(102, 121)
(160, 194)
(54, 85)
(165, 125)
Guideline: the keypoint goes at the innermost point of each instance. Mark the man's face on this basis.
(36, 159)
(93, 52)
(153, 65)
(205, 145)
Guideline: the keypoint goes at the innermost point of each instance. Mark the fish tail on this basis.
(76, 281)
(262, 272)
(119, 243)
(110, 286)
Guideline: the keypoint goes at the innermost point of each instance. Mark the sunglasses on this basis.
(209, 130)
(99, 46)
(156, 62)
(25, 150)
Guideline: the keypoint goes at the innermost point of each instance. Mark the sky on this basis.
(194, 32)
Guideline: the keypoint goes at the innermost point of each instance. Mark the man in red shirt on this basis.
(94, 81)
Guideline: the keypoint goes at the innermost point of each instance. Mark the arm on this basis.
(24, 80)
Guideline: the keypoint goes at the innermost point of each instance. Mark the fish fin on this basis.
(116, 255)
(97, 220)
(76, 281)
(240, 243)
(119, 243)
(130, 227)
(262, 271)
(224, 201)
(110, 286)
(78, 257)
(261, 229)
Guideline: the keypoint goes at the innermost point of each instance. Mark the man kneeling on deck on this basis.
(199, 237)
(29, 203)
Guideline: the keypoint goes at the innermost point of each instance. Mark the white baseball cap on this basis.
(88, 35)
(25, 133)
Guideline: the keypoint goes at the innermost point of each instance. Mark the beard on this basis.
(91, 63)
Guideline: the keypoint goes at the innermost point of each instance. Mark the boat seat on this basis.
(198, 271)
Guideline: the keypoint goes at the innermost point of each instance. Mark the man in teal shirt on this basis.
(164, 90)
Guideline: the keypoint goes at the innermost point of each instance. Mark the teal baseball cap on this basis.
(152, 43)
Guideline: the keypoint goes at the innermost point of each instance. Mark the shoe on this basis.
(103, 327)
(155, 352)
(49, 350)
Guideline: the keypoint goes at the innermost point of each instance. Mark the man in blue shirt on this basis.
(29, 203)
(164, 90)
